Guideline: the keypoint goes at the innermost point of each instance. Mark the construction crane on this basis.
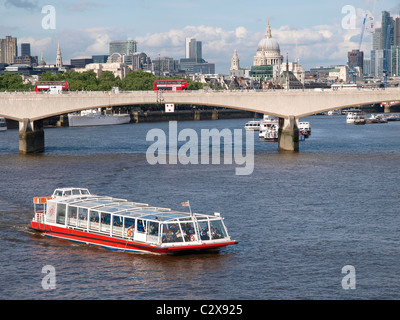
(353, 69)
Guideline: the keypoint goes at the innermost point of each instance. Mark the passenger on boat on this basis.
(215, 234)
(140, 226)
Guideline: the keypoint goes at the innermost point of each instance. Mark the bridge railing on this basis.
(344, 89)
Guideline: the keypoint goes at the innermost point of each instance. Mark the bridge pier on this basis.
(387, 108)
(31, 136)
(288, 139)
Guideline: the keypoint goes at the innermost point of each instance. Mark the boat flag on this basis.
(187, 204)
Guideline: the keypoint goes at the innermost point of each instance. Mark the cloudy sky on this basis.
(317, 33)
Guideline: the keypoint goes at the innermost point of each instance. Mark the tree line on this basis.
(88, 81)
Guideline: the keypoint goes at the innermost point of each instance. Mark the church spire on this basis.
(268, 33)
(235, 61)
(59, 58)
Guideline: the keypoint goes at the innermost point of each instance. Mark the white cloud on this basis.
(312, 46)
(37, 45)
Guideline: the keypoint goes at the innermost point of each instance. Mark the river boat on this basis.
(116, 224)
(96, 118)
(252, 125)
(352, 115)
(334, 112)
(393, 117)
(377, 118)
(3, 124)
(269, 128)
(305, 129)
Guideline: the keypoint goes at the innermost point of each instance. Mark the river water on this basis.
(299, 217)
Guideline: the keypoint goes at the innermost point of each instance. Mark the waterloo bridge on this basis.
(29, 109)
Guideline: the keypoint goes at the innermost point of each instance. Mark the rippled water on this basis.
(299, 218)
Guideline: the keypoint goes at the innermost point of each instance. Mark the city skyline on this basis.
(310, 32)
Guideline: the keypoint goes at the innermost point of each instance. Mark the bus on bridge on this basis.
(51, 86)
(170, 85)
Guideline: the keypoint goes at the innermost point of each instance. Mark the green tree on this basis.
(138, 81)
(12, 81)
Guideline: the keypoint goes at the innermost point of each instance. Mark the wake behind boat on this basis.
(77, 215)
(96, 118)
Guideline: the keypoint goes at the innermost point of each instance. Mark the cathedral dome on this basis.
(268, 51)
(268, 44)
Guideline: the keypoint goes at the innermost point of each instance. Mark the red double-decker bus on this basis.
(170, 85)
(51, 86)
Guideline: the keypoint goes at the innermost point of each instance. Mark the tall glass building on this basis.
(395, 61)
(123, 47)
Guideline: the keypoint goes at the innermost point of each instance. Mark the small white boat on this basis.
(352, 115)
(94, 117)
(377, 118)
(3, 124)
(252, 125)
(334, 112)
(305, 129)
(269, 128)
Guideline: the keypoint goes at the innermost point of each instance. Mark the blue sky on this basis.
(311, 32)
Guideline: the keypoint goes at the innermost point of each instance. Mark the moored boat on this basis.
(77, 215)
(96, 118)
(352, 115)
(3, 124)
(377, 118)
(269, 128)
(252, 125)
(305, 129)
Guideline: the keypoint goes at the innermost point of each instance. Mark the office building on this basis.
(397, 32)
(80, 62)
(367, 67)
(377, 61)
(355, 58)
(195, 50)
(123, 47)
(28, 60)
(387, 39)
(262, 72)
(395, 65)
(384, 41)
(164, 65)
(25, 49)
(187, 47)
(204, 68)
(100, 58)
(8, 50)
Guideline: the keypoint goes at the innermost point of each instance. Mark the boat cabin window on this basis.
(217, 229)
(61, 208)
(94, 220)
(188, 231)
(129, 223)
(72, 215)
(76, 191)
(141, 225)
(153, 228)
(58, 193)
(203, 230)
(172, 233)
(117, 221)
(105, 221)
(82, 217)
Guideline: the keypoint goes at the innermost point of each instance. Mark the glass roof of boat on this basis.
(125, 208)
